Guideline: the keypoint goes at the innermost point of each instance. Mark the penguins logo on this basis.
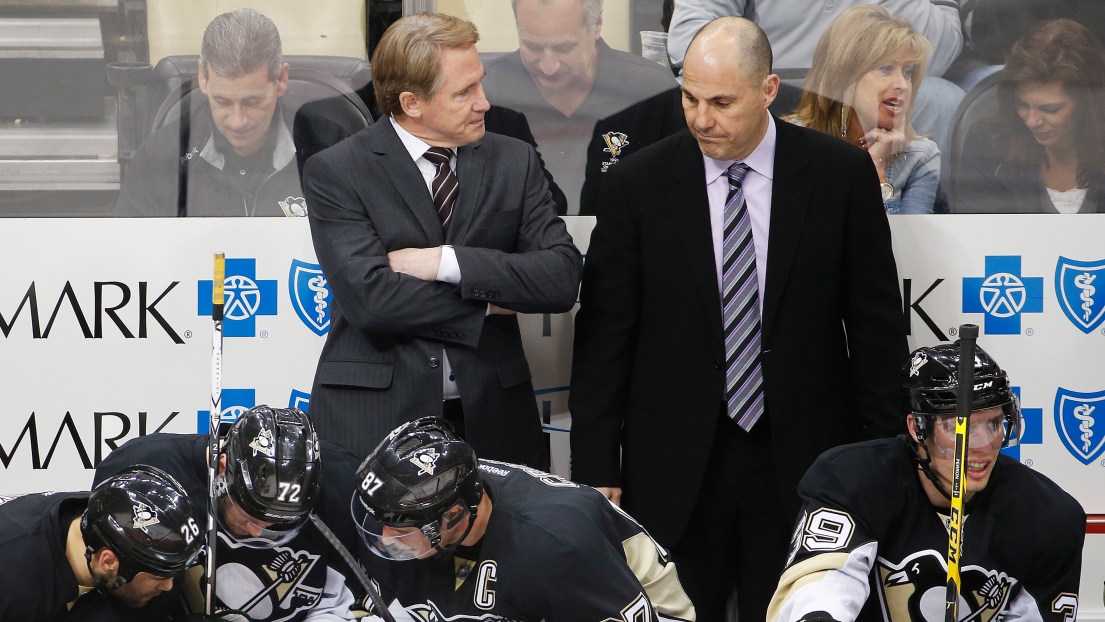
(263, 444)
(430, 612)
(426, 461)
(144, 517)
(916, 588)
(917, 363)
(615, 142)
(294, 206)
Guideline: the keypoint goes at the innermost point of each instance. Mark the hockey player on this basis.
(271, 565)
(453, 538)
(875, 516)
(128, 539)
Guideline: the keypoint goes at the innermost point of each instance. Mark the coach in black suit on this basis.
(432, 235)
(816, 369)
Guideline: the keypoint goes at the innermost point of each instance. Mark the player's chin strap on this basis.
(102, 584)
(926, 464)
(471, 522)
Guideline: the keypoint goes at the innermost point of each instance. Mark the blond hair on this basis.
(861, 39)
(408, 57)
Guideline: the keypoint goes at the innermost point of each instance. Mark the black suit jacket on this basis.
(327, 122)
(381, 364)
(647, 376)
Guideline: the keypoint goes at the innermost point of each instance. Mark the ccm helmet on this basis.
(930, 387)
(145, 517)
(409, 487)
(273, 476)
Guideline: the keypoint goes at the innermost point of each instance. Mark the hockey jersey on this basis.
(869, 545)
(300, 581)
(37, 583)
(553, 550)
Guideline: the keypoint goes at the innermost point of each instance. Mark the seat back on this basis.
(981, 103)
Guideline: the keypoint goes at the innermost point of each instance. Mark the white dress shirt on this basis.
(448, 271)
(757, 198)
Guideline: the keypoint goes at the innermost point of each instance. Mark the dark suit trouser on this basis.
(737, 535)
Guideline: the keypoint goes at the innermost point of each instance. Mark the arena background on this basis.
(106, 335)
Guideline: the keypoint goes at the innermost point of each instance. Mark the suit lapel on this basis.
(405, 176)
(470, 168)
(790, 200)
(691, 219)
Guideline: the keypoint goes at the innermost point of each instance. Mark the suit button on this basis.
(718, 365)
(435, 362)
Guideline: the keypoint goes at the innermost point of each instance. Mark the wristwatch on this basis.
(887, 190)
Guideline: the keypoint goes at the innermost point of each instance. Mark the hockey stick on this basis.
(373, 594)
(213, 420)
(968, 333)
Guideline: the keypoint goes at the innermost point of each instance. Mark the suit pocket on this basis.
(365, 374)
(513, 371)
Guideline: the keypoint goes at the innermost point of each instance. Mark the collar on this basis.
(761, 160)
(414, 145)
(283, 150)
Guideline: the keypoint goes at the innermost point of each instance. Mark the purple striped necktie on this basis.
(444, 186)
(744, 394)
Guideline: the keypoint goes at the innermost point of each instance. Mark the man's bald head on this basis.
(736, 40)
(727, 88)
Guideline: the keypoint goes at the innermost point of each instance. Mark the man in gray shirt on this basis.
(564, 77)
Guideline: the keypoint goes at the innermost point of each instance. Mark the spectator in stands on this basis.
(1045, 152)
(234, 157)
(564, 77)
(794, 26)
(866, 72)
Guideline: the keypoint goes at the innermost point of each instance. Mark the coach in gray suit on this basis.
(433, 235)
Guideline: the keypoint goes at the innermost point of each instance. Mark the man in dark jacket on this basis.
(234, 156)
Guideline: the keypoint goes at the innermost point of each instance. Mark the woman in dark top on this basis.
(1045, 151)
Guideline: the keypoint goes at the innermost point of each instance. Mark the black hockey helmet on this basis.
(273, 473)
(145, 517)
(930, 387)
(414, 478)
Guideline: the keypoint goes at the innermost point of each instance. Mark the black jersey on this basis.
(553, 550)
(869, 544)
(36, 581)
(302, 580)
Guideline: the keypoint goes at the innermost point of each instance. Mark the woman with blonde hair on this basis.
(866, 71)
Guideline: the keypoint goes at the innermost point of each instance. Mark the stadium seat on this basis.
(980, 103)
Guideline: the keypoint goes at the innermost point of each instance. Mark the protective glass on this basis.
(989, 429)
(405, 541)
(249, 531)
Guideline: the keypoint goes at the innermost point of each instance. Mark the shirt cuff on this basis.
(448, 271)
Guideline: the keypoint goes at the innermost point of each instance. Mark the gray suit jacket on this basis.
(380, 365)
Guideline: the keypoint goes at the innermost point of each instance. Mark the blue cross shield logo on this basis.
(245, 297)
(311, 296)
(299, 399)
(1003, 295)
(1076, 286)
(1076, 417)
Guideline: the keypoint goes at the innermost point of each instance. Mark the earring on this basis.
(843, 122)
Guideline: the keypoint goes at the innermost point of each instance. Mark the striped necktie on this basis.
(744, 395)
(444, 186)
